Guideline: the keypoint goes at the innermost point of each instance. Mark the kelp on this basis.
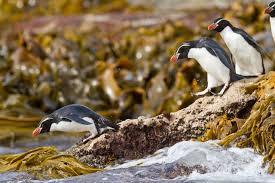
(47, 70)
(97, 70)
(45, 163)
(250, 16)
(257, 129)
(17, 10)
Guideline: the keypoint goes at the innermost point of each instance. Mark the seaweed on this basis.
(45, 163)
(257, 131)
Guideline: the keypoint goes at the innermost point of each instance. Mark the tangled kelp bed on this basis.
(254, 127)
(104, 65)
(115, 76)
(45, 163)
(16, 10)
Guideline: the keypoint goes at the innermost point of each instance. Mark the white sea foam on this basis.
(222, 164)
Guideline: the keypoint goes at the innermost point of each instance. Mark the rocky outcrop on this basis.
(139, 137)
(243, 116)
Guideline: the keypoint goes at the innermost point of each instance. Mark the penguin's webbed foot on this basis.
(89, 138)
(221, 93)
(202, 92)
(213, 93)
(225, 87)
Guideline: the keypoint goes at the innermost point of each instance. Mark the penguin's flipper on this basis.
(106, 123)
(77, 119)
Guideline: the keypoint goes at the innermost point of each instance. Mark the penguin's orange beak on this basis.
(173, 59)
(212, 26)
(36, 132)
(268, 10)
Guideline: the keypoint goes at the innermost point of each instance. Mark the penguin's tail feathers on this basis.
(237, 77)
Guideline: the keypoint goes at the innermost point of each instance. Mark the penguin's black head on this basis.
(219, 24)
(44, 126)
(182, 51)
(271, 9)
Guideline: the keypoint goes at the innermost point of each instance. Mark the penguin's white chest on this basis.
(248, 61)
(272, 24)
(73, 126)
(211, 64)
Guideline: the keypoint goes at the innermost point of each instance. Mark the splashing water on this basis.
(220, 164)
(187, 161)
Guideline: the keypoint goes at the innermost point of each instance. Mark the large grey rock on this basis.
(140, 137)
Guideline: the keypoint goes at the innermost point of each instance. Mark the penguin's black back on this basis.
(82, 111)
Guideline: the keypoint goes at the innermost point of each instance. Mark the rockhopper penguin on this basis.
(271, 11)
(213, 59)
(75, 118)
(246, 53)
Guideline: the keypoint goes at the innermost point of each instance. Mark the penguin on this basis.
(213, 59)
(75, 118)
(271, 11)
(246, 54)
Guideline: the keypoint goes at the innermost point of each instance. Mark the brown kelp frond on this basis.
(45, 163)
(256, 131)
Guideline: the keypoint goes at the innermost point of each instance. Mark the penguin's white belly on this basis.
(211, 64)
(248, 61)
(66, 126)
(272, 24)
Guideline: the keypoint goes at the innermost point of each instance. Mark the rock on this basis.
(140, 137)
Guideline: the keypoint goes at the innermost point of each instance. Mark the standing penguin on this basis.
(247, 54)
(271, 11)
(213, 59)
(75, 118)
